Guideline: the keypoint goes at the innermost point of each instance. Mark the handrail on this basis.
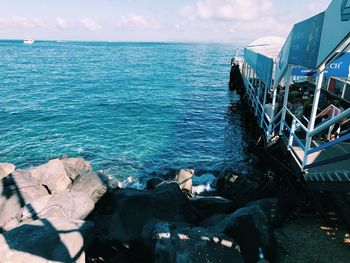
(297, 120)
(331, 122)
(329, 144)
(277, 116)
(294, 136)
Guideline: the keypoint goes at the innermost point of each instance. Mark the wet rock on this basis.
(91, 184)
(241, 227)
(205, 207)
(241, 188)
(53, 175)
(17, 190)
(252, 228)
(133, 209)
(6, 169)
(183, 243)
(76, 166)
(70, 205)
(153, 182)
(47, 240)
(184, 179)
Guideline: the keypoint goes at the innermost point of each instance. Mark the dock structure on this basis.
(299, 91)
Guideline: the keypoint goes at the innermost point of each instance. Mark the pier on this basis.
(299, 92)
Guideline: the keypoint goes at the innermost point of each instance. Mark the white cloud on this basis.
(90, 24)
(20, 22)
(133, 21)
(227, 9)
(61, 23)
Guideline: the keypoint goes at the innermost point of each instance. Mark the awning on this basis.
(260, 55)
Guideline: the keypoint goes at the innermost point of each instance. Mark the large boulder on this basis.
(6, 169)
(91, 184)
(252, 228)
(70, 205)
(53, 175)
(47, 240)
(205, 207)
(153, 182)
(241, 188)
(17, 190)
(184, 179)
(182, 243)
(133, 209)
(76, 166)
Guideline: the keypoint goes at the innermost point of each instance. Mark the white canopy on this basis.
(268, 46)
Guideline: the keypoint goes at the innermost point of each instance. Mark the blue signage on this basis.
(338, 68)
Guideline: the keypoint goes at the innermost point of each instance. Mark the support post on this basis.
(343, 91)
(291, 138)
(311, 125)
(264, 104)
(285, 99)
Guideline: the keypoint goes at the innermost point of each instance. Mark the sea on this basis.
(135, 110)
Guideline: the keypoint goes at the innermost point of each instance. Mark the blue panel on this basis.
(305, 42)
(262, 65)
(336, 27)
(283, 60)
(339, 68)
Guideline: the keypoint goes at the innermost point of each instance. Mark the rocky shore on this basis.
(62, 211)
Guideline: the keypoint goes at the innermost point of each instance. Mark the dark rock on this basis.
(183, 243)
(252, 228)
(242, 188)
(133, 209)
(205, 207)
(153, 182)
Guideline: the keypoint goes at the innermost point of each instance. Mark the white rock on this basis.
(17, 190)
(53, 175)
(76, 166)
(6, 169)
(47, 240)
(184, 179)
(71, 205)
(91, 184)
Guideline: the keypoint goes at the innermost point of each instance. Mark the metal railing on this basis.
(271, 126)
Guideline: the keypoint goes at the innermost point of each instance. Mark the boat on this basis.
(28, 41)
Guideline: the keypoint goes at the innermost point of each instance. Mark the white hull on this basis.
(28, 41)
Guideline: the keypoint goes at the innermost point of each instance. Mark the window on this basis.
(347, 92)
(336, 87)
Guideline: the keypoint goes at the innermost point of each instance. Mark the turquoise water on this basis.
(132, 109)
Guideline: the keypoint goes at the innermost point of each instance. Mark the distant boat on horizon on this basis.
(28, 41)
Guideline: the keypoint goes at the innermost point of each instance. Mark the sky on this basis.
(227, 21)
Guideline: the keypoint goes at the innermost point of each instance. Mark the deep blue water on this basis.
(132, 109)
